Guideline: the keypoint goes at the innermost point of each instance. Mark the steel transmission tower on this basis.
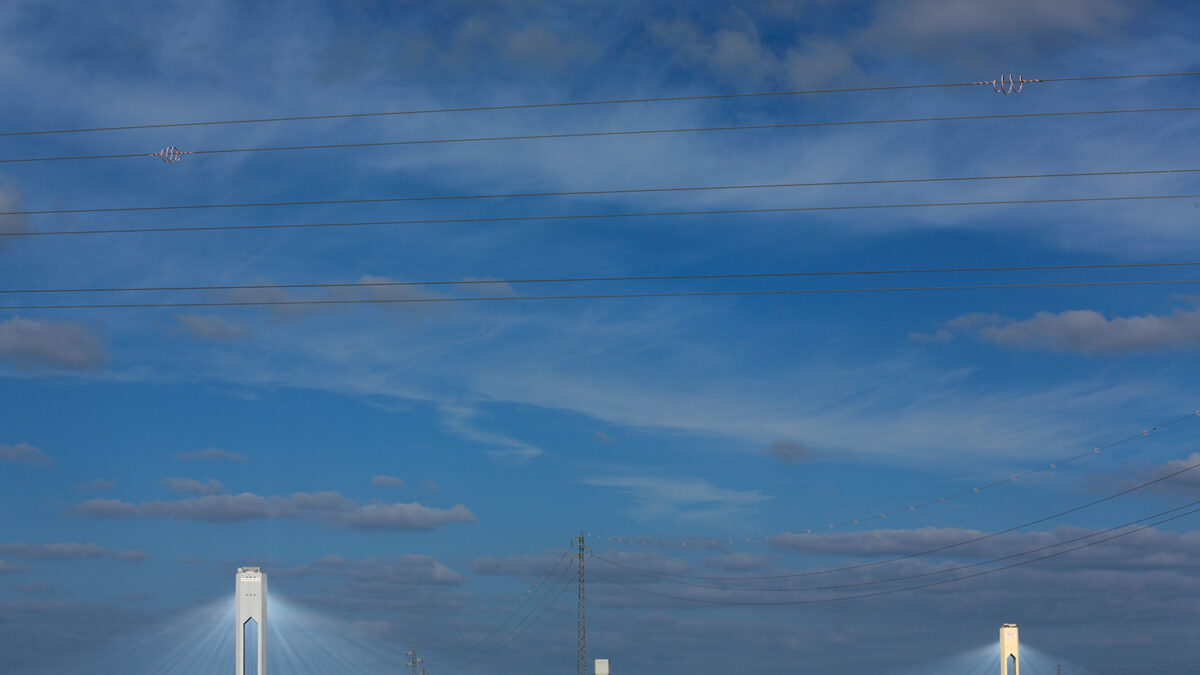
(581, 641)
(414, 662)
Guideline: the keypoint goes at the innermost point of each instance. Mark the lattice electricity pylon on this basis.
(581, 640)
(414, 662)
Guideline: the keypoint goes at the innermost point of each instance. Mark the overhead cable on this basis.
(172, 154)
(999, 82)
(931, 551)
(601, 296)
(890, 580)
(875, 594)
(534, 615)
(1004, 480)
(581, 193)
(508, 612)
(600, 216)
(568, 280)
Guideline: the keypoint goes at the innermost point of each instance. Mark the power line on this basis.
(528, 106)
(915, 506)
(598, 216)
(907, 577)
(510, 611)
(563, 280)
(876, 594)
(927, 552)
(525, 623)
(581, 193)
(518, 627)
(603, 296)
(173, 154)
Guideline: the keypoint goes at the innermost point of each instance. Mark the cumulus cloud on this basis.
(96, 485)
(1186, 483)
(430, 486)
(68, 551)
(62, 345)
(788, 451)
(1078, 331)
(329, 507)
(191, 486)
(387, 481)
(211, 455)
(211, 327)
(1087, 331)
(23, 453)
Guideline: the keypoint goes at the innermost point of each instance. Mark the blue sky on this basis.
(411, 472)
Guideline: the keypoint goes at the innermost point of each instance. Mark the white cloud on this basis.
(387, 481)
(739, 54)
(191, 486)
(96, 484)
(1078, 331)
(23, 453)
(211, 327)
(68, 551)
(1015, 27)
(329, 507)
(789, 451)
(7, 567)
(688, 498)
(33, 344)
(10, 200)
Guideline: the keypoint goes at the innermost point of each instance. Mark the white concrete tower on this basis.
(1010, 650)
(251, 600)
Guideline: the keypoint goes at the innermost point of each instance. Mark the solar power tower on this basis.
(251, 598)
(1010, 650)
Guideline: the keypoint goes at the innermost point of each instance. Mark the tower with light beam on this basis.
(250, 591)
(1010, 650)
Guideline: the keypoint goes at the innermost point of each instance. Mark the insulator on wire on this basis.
(1008, 84)
(170, 154)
